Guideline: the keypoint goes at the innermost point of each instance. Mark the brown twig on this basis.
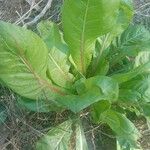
(27, 14)
(42, 13)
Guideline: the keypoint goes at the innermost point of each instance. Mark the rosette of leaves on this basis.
(98, 63)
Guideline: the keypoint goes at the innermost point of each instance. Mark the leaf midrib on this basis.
(82, 41)
(41, 81)
(59, 68)
(58, 143)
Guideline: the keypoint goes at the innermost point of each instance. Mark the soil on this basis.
(13, 10)
(9, 9)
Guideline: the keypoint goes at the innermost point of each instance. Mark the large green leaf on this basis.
(68, 135)
(82, 27)
(58, 65)
(123, 127)
(91, 91)
(23, 63)
(58, 138)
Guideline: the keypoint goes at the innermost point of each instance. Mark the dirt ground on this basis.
(22, 129)
(23, 11)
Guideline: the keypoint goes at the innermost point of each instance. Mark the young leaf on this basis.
(23, 63)
(58, 138)
(82, 27)
(134, 39)
(91, 91)
(99, 64)
(123, 127)
(58, 65)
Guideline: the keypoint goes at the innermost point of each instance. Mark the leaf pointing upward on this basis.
(58, 65)
(83, 22)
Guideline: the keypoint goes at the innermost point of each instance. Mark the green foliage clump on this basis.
(99, 63)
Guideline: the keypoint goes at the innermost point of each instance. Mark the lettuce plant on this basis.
(99, 63)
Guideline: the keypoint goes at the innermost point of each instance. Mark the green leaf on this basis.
(140, 64)
(68, 135)
(51, 35)
(124, 77)
(134, 39)
(125, 145)
(3, 114)
(23, 63)
(98, 108)
(142, 58)
(148, 122)
(146, 109)
(83, 26)
(81, 143)
(103, 68)
(58, 65)
(140, 84)
(125, 14)
(123, 127)
(106, 85)
(99, 65)
(58, 138)
(129, 96)
(37, 105)
(91, 91)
